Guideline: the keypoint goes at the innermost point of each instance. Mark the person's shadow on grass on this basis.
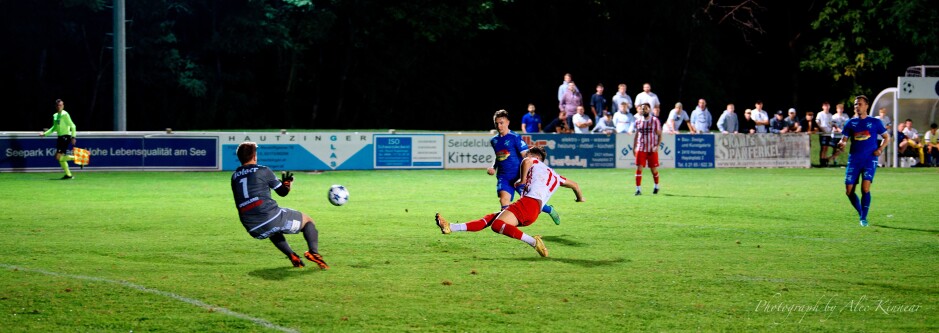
(281, 273)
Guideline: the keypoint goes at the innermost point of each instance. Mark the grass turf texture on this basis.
(728, 249)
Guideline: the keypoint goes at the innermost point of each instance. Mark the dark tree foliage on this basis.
(443, 65)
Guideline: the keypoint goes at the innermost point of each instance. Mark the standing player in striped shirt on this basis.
(538, 182)
(646, 146)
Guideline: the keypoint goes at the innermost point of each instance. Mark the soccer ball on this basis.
(338, 195)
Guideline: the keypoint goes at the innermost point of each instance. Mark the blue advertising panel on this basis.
(113, 152)
(181, 152)
(409, 151)
(576, 150)
(694, 151)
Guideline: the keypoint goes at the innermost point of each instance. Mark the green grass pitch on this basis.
(716, 250)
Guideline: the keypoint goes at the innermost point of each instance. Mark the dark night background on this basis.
(307, 64)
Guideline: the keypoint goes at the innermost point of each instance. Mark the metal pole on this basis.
(120, 69)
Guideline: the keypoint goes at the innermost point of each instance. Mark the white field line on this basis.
(183, 299)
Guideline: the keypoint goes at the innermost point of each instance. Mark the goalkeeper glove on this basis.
(286, 177)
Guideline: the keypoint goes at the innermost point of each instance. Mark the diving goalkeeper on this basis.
(251, 186)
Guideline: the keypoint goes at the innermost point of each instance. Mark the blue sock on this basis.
(546, 209)
(865, 204)
(855, 202)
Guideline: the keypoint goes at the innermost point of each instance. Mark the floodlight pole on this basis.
(120, 68)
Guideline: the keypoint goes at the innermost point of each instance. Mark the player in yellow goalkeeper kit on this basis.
(62, 124)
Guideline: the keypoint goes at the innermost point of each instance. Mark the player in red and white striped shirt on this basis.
(646, 146)
(538, 182)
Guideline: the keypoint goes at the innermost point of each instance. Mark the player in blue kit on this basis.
(510, 150)
(251, 186)
(862, 159)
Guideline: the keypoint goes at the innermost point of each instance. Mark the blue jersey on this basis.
(863, 134)
(508, 149)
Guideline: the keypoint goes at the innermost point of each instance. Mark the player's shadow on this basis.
(586, 263)
(908, 229)
(280, 273)
(563, 241)
(691, 196)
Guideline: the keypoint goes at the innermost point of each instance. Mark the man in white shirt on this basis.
(647, 96)
(582, 122)
(623, 120)
(823, 119)
(760, 117)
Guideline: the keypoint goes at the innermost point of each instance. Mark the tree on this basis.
(860, 38)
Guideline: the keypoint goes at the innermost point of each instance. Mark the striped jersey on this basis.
(646, 138)
(542, 181)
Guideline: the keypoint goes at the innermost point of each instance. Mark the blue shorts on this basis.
(506, 184)
(860, 169)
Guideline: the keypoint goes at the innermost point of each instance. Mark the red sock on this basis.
(507, 229)
(639, 177)
(655, 177)
(480, 224)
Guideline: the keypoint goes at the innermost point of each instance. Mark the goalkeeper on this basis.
(251, 186)
(62, 124)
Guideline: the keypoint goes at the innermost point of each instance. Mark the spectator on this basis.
(793, 122)
(747, 126)
(563, 88)
(884, 118)
(882, 159)
(932, 145)
(620, 98)
(598, 103)
(837, 124)
(824, 134)
(727, 123)
(531, 121)
(582, 122)
(559, 125)
(647, 96)
(623, 120)
(571, 101)
(675, 118)
(808, 124)
(760, 117)
(915, 141)
(778, 124)
(656, 112)
(605, 125)
(701, 118)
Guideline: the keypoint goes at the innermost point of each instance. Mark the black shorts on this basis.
(827, 140)
(61, 144)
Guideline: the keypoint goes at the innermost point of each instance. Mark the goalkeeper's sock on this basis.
(500, 227)
(281, 243)
(855, 201)
(63, 162)
(547, 209)
(312, 237)
(865, 204)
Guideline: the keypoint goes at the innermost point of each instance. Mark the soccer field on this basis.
(716, 250)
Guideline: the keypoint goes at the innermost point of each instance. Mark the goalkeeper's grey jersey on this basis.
(251, 185)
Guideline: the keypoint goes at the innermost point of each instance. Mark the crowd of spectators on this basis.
(617, 115)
